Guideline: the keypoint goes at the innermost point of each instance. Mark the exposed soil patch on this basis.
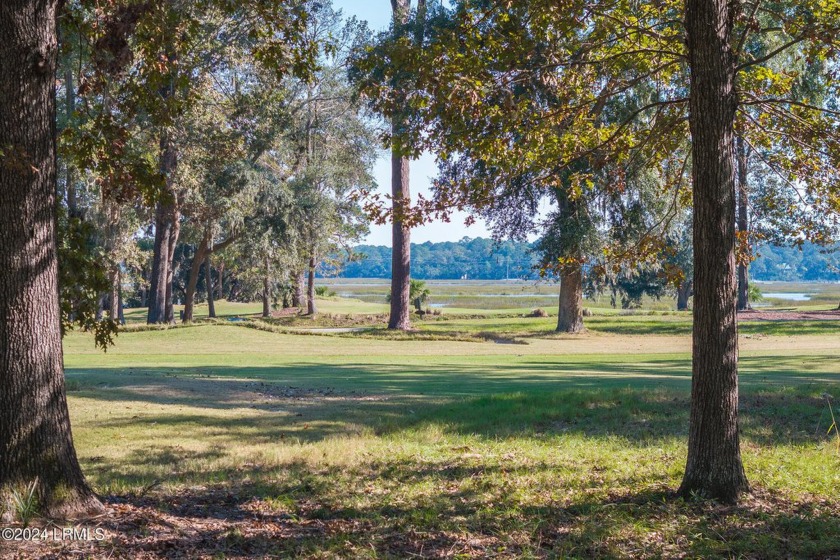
(761, 315)
(271, 391)
(293, 318)
(330, 330)
(288, 312)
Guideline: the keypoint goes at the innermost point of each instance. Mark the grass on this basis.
(25, 502)
(362, 446)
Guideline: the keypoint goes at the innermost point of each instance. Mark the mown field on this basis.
(482, 435)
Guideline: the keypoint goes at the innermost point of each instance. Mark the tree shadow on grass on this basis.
(640, 402)
(659, 325)
(472, 511)
(294, 509)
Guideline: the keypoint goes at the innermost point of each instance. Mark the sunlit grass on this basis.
(565, 446)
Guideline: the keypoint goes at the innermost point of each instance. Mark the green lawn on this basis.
(355, 446)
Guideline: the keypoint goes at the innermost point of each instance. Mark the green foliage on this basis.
(150, 66)
(754, 294)
(472, 258)
(324, 291)
(25, 502)
(522, 100)
(418, 294)
(82, 279)
(808, 262)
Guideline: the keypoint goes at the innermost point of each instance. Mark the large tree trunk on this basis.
(713, 468)
(192, 282)
(208, 280)
(743, 225)
(400, 317)
(35, 437)
(160, 263)
(311, 307)
(684, 292)
(167, 227)
(570, 315)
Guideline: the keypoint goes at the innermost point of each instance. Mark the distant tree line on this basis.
(809, 263)
(474, 259)
(483, 259)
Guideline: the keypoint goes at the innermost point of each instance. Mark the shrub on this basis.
(323, 291)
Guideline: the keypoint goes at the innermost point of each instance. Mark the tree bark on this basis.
(202, 254)
(570, 311)
(266, 308)
(220, 286)
(208, 280)
(743, 224)
(684, 292)
(170, 277)
(120, 310)
(35, 436)
(713, 468)
(266, 294)
(400, 317)
(298, 295)
(311, 307)
(234, 290)
(157, 289)
(192, 283)
(114, 299)
(570, 314)
(167, 227)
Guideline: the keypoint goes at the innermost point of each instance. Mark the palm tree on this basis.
(418, 294)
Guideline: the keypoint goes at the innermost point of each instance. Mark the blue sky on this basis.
(378, 15)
